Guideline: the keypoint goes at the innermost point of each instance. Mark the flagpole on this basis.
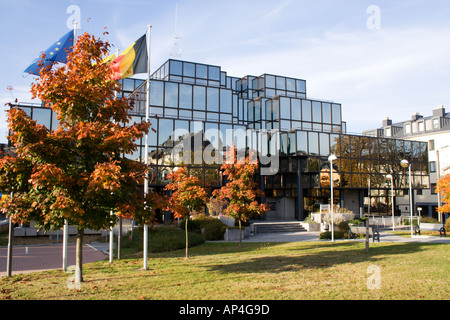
(147, 105)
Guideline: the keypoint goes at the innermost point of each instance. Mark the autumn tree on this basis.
(241, 190)
(188, 195)
(77, 172)
(443, 187)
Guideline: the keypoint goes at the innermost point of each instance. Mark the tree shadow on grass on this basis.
(318, 256)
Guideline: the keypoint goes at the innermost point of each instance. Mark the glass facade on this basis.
(198, 111)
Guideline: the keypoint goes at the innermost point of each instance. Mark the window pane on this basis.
(188, 69)
(165, 131)
(296, 109)
(156, 93)
(42, 116)
(285, 108)
(301, 86)
(225, 101)
(171, 95)
(270, 81)
(324, 144)
(302, 142)
(281, 83)
(199, 98)
(202, 71)
(306, 110)
(175, 68)
(313, 143)
(316, 111)
(290, 84)
(336, 109)
(185, 96)
(214, 73)
(326, 112)
(212, 101)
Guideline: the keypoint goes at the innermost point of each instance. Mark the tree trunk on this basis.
(79, 257)
(240, 234)
(187, 240)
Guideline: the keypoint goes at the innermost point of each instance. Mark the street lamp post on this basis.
(389, 177)
(331, 158)
(406, 164)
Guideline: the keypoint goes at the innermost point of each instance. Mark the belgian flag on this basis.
(133, 60)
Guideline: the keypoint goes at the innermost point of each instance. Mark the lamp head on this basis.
(404, 163)
(332, 157)
(389, 176)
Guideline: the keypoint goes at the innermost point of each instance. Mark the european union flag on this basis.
(57, 52)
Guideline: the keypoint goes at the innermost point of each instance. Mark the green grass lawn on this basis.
(275, 271)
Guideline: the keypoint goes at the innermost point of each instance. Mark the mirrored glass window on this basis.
(202, 71)
(171, 95)
(313, 143)
(199, 98)
(326, 112)
(42, 116)
(188, 69)
(212, 99)
(317, 111)
(270, 81)
(301, 86)
(302, 142)
(336, 111)
(225, 100)
(176, 67)
(185, 96)
(324, 144)
(285, 108)
(306, 110)
(296, 109)
(290, 84)
(214, 73)
(156, 93)
(281, 83)
(165, 132)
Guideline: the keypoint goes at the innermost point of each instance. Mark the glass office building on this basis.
(198, 111)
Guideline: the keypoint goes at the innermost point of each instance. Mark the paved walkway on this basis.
(47, 257)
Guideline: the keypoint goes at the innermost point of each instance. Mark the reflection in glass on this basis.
(171, 95)
(225, 100)
(316, 111)
(285, 108)
(185, 96)
(306, 110)
(164, 133)
(212, 99)
(296, 109)
(156, 93)
(199, 98)
(313, 143)
(336, 113)
(326, 112)
(175, 67)
(42, 116)
(188, 69)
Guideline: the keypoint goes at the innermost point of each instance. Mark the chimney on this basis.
(439, 111)
(387, 122)
(416, 116)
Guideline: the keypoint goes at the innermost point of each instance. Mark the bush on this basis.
(327, 235)
(160, 239)
(426, 219)
(214, 229)
(447, 225)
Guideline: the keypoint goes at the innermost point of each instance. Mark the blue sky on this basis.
(391, 62)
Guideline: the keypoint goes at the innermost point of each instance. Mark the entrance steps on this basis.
(272, 227)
